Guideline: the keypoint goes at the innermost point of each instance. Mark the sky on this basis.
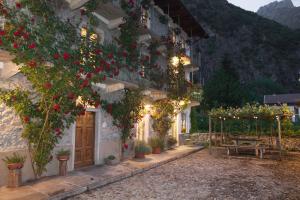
(253, 5)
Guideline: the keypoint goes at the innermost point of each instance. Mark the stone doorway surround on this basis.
(97, 158)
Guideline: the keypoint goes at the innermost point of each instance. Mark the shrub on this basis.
(15, 158)
(171, 141)
(156, 142)
(142, 147)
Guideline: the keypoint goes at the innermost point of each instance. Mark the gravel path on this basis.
(201, 176)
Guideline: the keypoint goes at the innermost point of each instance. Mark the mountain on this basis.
(283, 12)
(258, 48)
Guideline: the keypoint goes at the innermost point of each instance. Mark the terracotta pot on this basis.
(140, 155)
(63, 157)
(156, 150)
(13, 166)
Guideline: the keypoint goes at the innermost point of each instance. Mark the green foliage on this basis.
(63, 152)
(111, 157)
(252, 112)
(194, 121)
(156, 142)
(142, 147)
(224, 88)
(256, 89)
(171, 141)
(15, 158)
(61, 66)
(127, 112)
(163, 112)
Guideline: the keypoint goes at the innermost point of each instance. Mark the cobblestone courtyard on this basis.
(201, 176)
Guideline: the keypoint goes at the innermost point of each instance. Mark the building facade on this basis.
(93, 136)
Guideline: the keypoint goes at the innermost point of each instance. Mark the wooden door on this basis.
(85, 140)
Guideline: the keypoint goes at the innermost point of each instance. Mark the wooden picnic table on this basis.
(246, 143)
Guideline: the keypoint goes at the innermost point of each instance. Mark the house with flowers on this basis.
(92, 77)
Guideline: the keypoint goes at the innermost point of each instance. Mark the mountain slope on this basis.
(283, 12)
(259, 48)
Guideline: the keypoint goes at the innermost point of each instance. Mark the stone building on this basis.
(94, 137)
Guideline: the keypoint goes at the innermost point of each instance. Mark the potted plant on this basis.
(14, 163)
(111, 160)
(171, 142)
(141, 149)
(63, 156)
(157, 144)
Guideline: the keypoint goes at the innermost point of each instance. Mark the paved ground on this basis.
(201, 176)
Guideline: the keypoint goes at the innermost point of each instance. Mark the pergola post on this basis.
(222, 134)
(210, 136)
(279, 135)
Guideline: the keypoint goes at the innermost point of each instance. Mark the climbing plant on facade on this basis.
(62, 67)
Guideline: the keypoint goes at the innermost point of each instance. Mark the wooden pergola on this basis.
(250, 112)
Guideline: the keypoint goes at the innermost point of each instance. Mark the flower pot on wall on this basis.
(63, 157)
(156, 150)
(140, 155)
(14, 164)
(63, 161)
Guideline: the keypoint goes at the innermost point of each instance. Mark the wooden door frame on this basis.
(97, 160)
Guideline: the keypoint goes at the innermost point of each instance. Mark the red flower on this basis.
(32, 46)
(125, 54)
(56, 56)
(107, 67)
(104, 78)
(141, 73)
(110, 56)
(77, 62)
(98, 51)
(55, 97)
(133, 45)
(81, 70)
(32, 64)
(116, 72)
(66, 56)
(125, 146)
(25, 36)
(1, 42)
(26, 119)
(17, 33)
(97, 104)
(58, 131)
(18, 5)
(89, 75)
(2, 33)
(56, 107)
(71, 95)
(109, 108)
(16, 46)
(84, 84)
(98, 69)
(48, 85)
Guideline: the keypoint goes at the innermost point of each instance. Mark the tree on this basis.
(224, 88)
